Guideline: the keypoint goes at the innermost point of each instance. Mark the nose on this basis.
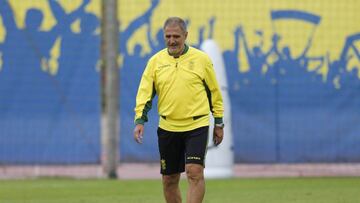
(171, 41)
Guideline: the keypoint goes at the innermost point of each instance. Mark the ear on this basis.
(186, 34)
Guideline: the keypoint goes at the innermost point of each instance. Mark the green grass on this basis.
(261, 190)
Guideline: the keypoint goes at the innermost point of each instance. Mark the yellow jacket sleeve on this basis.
(213, 92)
(145, 94)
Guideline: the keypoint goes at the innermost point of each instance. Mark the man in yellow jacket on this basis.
(184, 80)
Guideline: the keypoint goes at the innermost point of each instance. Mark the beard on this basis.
(174, 50)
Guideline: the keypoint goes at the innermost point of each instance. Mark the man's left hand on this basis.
(218, 135)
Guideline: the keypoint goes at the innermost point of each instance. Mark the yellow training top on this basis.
(187, 91)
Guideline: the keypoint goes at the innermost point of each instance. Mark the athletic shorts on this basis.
(180, 148)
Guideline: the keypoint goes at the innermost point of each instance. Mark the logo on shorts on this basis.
(193, 158)
(163, 164)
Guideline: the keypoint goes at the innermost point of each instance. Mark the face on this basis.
(175, 39)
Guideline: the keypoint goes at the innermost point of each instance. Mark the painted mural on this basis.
(292, 69)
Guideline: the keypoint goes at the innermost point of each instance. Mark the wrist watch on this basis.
(220, 125)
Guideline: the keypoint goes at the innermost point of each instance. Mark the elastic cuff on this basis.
(139, 121)
(219, 120)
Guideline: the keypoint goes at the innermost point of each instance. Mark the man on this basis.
(184, 80)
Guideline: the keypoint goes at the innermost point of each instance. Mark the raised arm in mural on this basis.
(7, 15)
(337, 68)
(135, 25)
(349, 45)
(256, 57)
(231, 58)
(304, 60)
(201, 35)
(88, 21)
(211, 27)
(159, 43)
(63, 19)
(134, 62)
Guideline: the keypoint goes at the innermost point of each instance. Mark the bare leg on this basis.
(171, 188)
(195, 176)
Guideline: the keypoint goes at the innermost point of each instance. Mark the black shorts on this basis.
(180, 148)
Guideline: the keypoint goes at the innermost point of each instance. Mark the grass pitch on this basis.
(260, 190)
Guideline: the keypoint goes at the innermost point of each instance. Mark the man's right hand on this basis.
(138, 133)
